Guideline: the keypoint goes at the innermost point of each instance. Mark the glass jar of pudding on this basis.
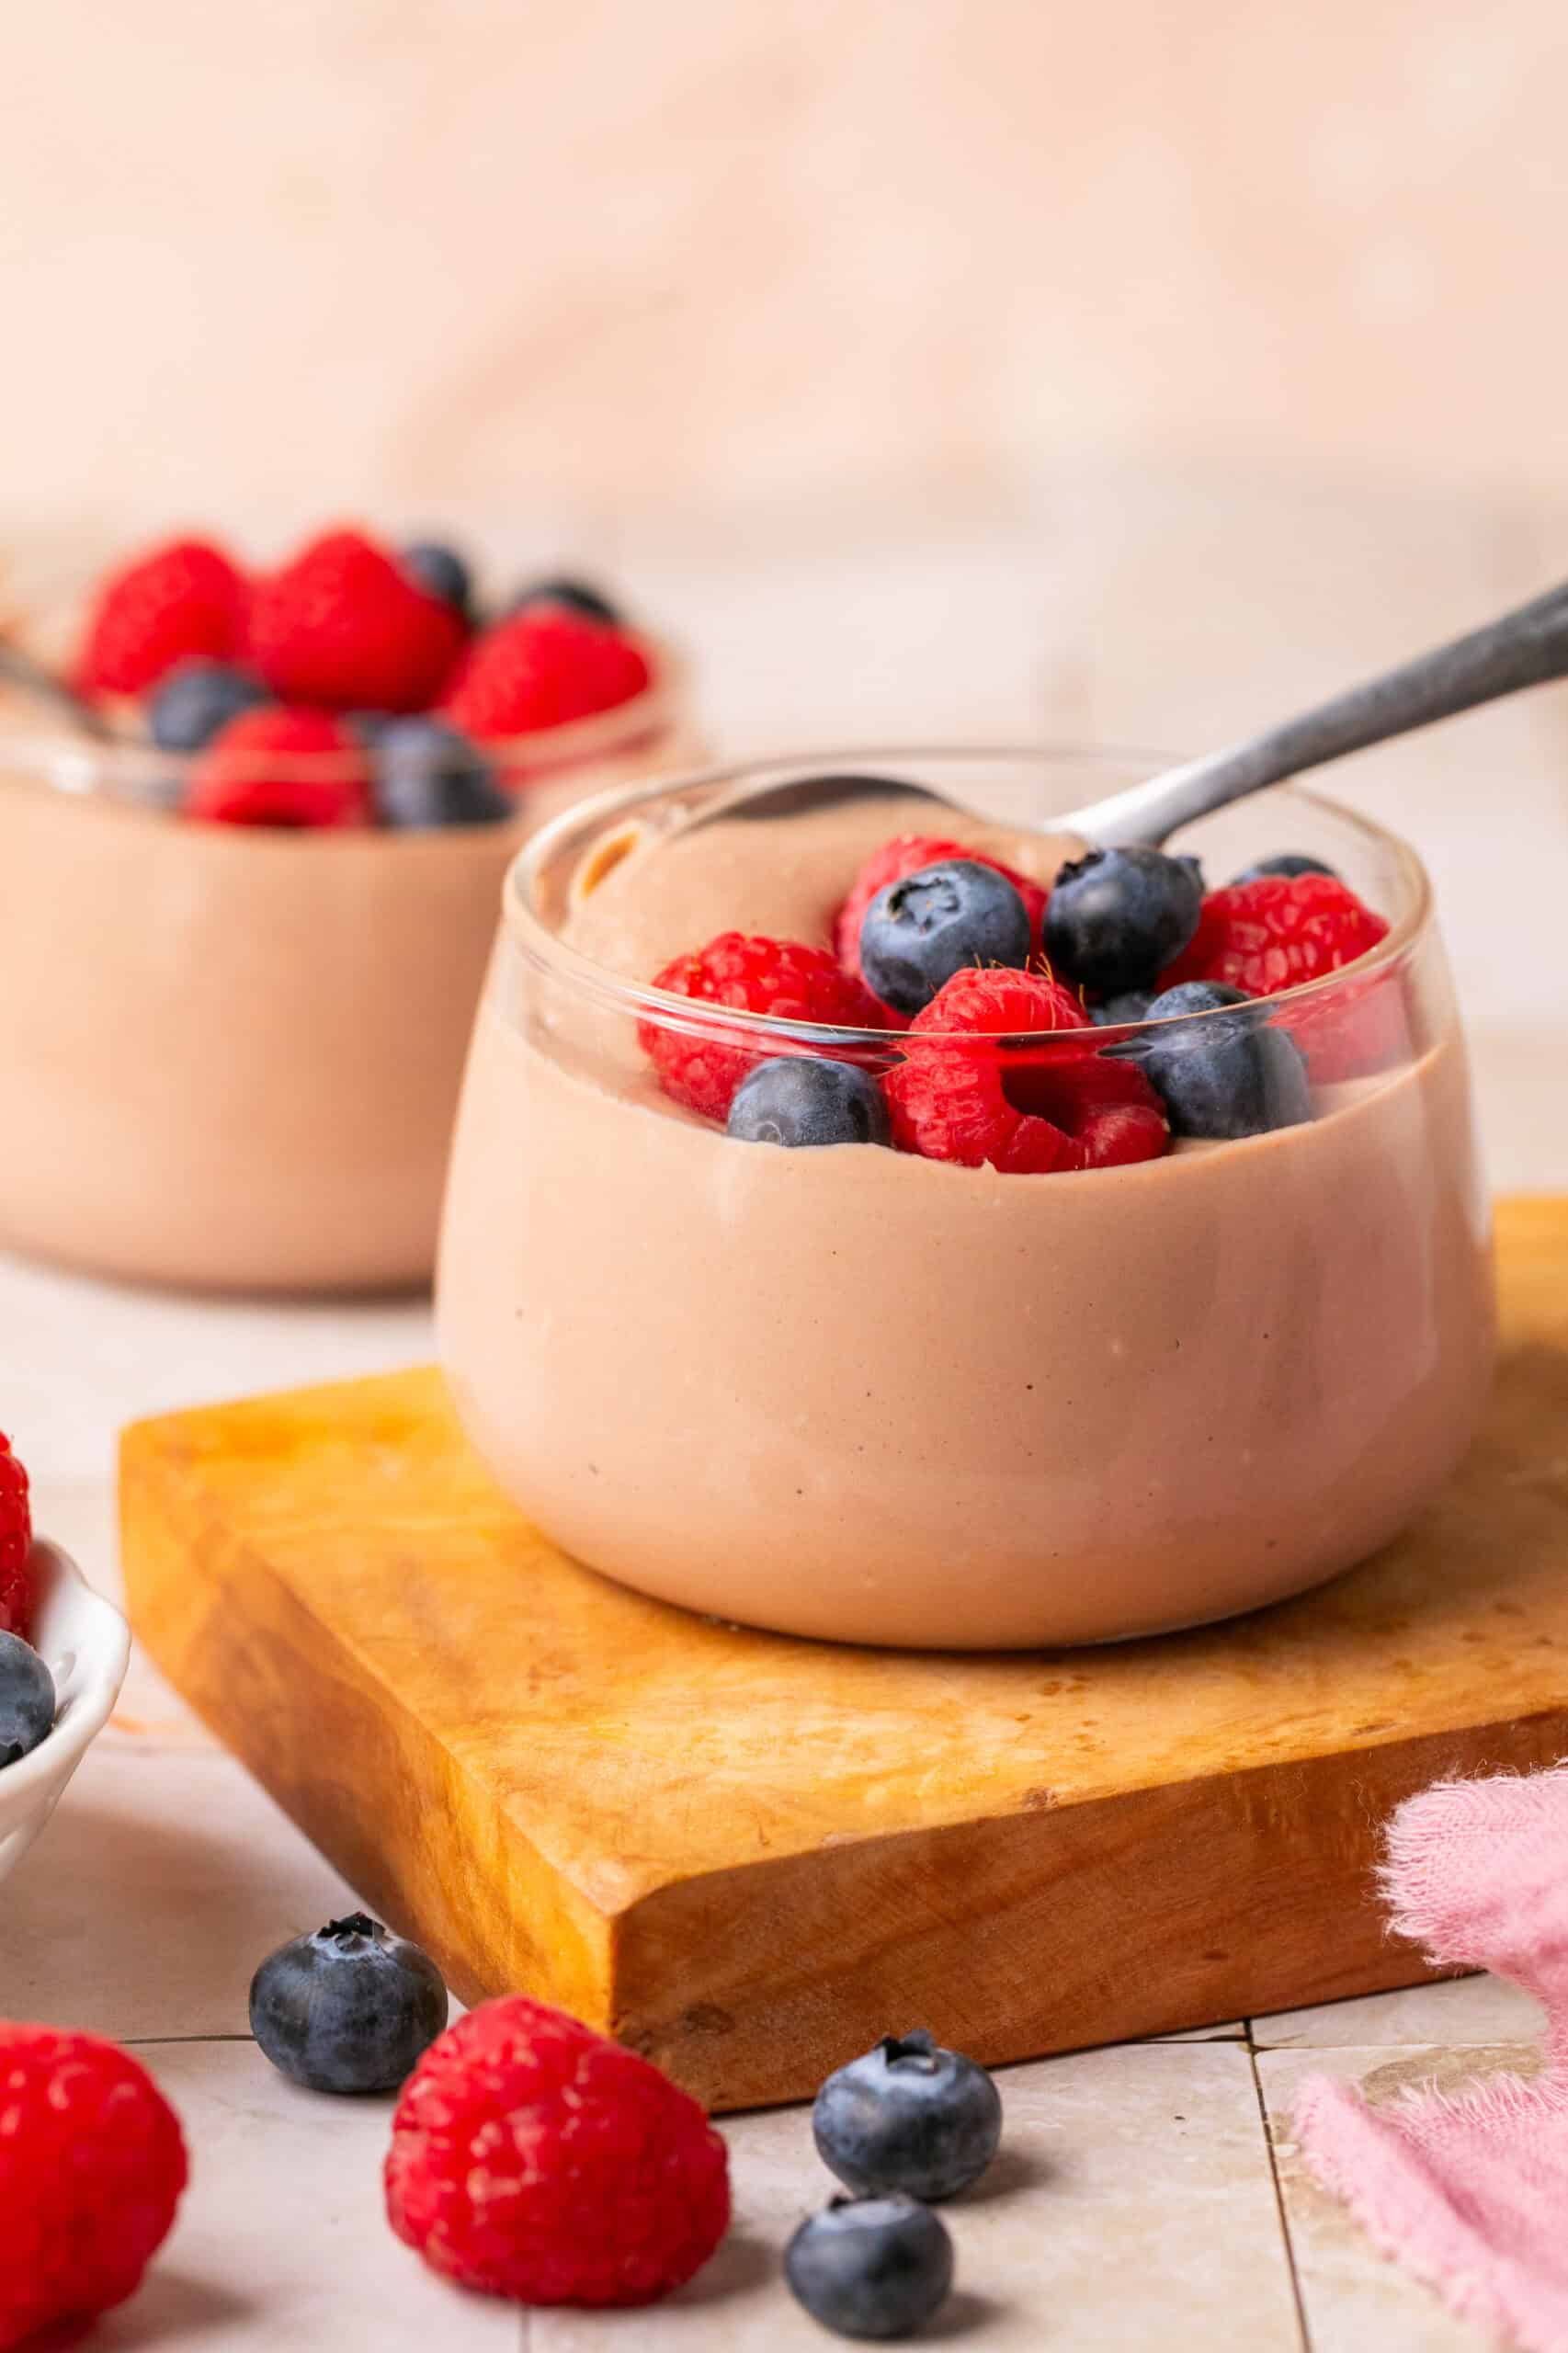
(231, 1054)
(860, 1392)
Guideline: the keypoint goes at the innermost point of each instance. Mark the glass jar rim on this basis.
(550, 954)
(136, 776)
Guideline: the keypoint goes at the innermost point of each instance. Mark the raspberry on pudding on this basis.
(185, 601)
(778, 978)
(1292, 921)
(277, 767)
(346, 625)
(977, 1087)
(543, 668)
(1110, 1325)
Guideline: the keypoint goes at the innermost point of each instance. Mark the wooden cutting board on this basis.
(749, 1856)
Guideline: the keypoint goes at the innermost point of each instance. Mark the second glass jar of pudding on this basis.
(231, 1054)
(857, 1393)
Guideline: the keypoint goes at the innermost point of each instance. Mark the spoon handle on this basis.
(1523, 648)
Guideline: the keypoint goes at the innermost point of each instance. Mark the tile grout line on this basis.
(176, 2041)
(1303, 2329)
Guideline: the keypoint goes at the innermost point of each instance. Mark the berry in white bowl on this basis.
(85, 1643)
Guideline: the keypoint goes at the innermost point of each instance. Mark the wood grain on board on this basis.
(750, 1855)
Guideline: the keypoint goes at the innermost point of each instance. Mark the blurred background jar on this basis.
(243, 933)
(1127, 379)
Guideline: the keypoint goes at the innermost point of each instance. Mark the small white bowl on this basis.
(85, 1644)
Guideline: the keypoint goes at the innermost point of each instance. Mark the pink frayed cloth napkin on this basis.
(1469, 2191)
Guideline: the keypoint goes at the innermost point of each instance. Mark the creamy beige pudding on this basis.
(850, 1393)
(231, 1057)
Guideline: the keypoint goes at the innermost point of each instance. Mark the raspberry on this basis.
(186, 598)
(16, 1545)
(540, 668)
(345, 625)
(92, 2166)
(1275, 932)
(1280, 930)
(776, 976)
(532, 2159)
(908, 855)
(1352, 1031)
(990, 1098)
(281, 768)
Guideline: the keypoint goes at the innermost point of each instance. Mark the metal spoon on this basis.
(1522, 649)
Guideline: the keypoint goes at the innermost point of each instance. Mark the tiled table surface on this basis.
(1148, 2193)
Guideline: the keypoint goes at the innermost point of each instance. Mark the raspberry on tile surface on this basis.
(530, 2158)
(92, 2168)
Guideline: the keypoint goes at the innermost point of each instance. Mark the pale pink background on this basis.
(955, 368)
(554, 261)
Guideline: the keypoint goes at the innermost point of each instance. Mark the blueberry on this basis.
(908, 2116)
(1234, 1075)
(26, 1700)
(577, 596)
(800, 1099)
(1290, 862)
(194, 700)
(427, 774)
(441, 572)
(350, 2009)
(919, 933)
(1131, 1005)
(871, 2267)
(1116, 917)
